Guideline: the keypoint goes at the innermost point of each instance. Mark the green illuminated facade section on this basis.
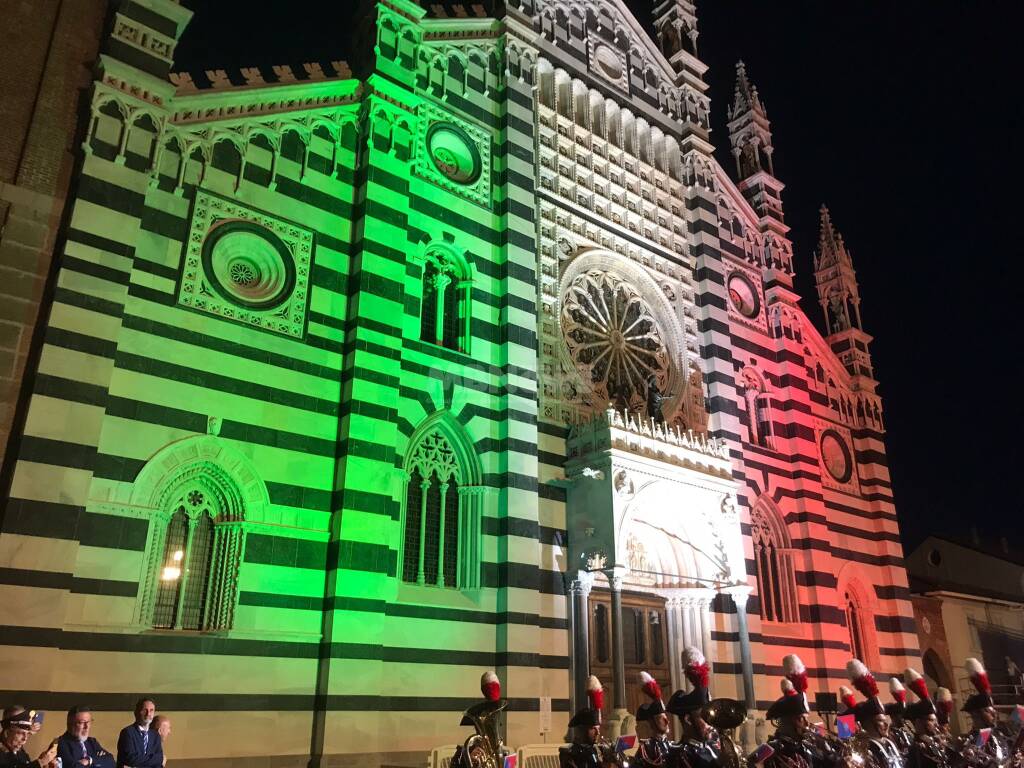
(280, 454)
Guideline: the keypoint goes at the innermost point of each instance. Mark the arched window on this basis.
(444, 308)
(855, 626)
(440, 544)
(774, 560)
(198, 544)
(857, 604)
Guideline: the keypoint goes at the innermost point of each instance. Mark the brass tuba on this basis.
(725, 715)
(484, 718)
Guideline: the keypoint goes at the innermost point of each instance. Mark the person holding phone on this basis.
(17, 725)
(77, 748)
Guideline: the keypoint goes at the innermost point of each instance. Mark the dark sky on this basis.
(905, 118)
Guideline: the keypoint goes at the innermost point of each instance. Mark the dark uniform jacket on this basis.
(932, 752)
(657, 752)
(803, 753)
(19, 759)
(135, 750)
(996, 751)
(69, 750)
(701, 754)
(885, 753)
(579, 756)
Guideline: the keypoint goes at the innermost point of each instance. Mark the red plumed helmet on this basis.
(695, 667)
(788, 689)
(796, 672)
(944, 699)
(861, 678)
(979, 677)
(899, 693)
(490, 686)
(650, 686)
(916, 683)
(846, 696)
(595, 693)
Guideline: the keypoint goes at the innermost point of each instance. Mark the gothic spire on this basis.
(831, 248)
(745, 96)
(750, 138)
(839, 296)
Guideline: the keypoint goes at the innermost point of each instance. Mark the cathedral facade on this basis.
(353, 386)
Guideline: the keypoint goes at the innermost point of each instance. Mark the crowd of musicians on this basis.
(904, 733)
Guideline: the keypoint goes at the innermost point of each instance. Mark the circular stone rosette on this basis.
(614, 339)
(248, 265)
(453, 153)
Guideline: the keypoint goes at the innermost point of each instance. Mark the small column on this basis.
(675, 648)
(618, 654)
(739, 594)
(704, 608)
(580, 589)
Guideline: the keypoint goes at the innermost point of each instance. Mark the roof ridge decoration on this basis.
(257, 77)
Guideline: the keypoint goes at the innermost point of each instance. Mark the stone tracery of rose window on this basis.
(614, 340)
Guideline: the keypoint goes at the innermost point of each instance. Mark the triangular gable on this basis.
(731, 192)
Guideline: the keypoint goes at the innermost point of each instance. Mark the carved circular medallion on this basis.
(453, 153)
(743, 295)
(613, 338)
(249, 265)
(836, 456)
(926, 625)
(607, 61)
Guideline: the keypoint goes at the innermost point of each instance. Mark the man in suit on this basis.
(139, 746)
(77, 747)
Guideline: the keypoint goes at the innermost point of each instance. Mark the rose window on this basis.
(242, 274)
(248, 265)
(614, 340)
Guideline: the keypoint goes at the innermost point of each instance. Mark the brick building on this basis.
(45, 71)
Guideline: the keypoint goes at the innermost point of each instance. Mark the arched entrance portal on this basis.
(670, 561)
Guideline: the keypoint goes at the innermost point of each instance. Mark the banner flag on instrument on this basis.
(846, 726)
(511, 760)
(762, 753)
(625, 742)
(983, 736)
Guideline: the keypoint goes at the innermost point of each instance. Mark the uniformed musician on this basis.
(872, 719)
(995, 752)
(901, 732)
(658, 750)
(699, 745)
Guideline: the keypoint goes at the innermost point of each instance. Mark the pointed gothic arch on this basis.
(858, 608)
(441, 507)
(198, 494)
(773, 558)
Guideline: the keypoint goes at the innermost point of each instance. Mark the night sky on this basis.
(905, 119)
